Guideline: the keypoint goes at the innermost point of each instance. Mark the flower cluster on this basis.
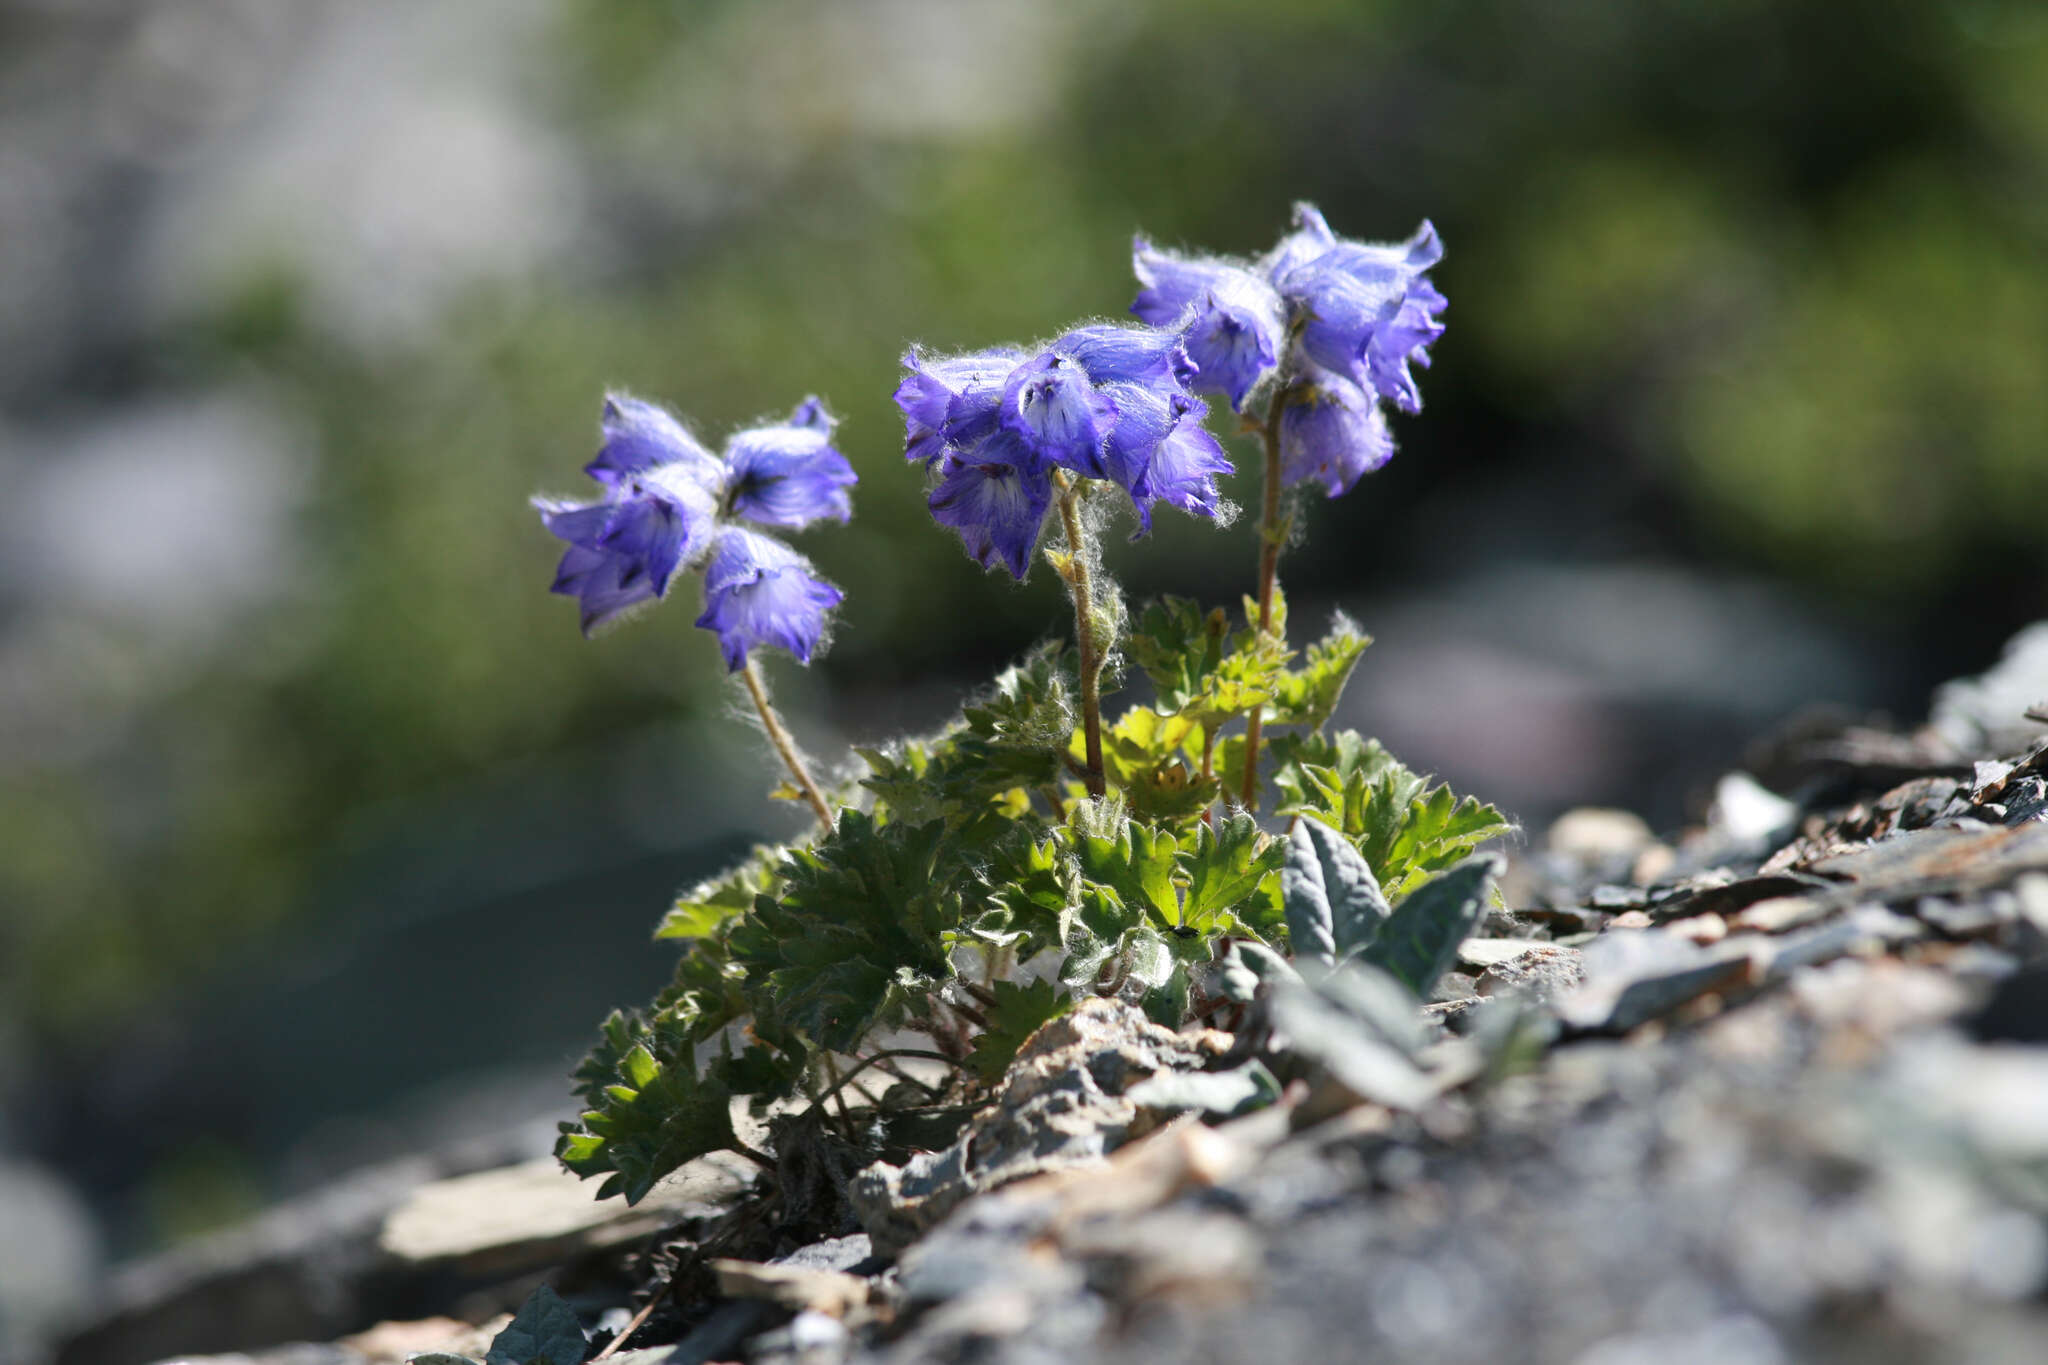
(1337, 321)
(1105, 401)
(668, 503)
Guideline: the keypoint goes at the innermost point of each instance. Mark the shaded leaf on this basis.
(649, 1110)
(1092, 931)
(545, 1331)
(1031, 704)
(861, 921)
(1026, 890)
(1018, 1012)
(1179, 646)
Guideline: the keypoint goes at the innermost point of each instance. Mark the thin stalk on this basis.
(983, 996)
(755, 1155)
(639, 1320)
(784, 746)
(838, 1092)
(1084, 627)
(967, 1012)
(891, 1069)
(1270, 537)
(876, 1058)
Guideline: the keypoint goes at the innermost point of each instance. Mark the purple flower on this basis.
(789, 475)
(667, 500)
(1232, 320)
(758, 591)
(1160, 452)
(1366, 309)
(929, 394)
(606, 586)
(1311, 238)
(811, 415)
(1332, 434)
(1106, 401)
(641, 436)
(1051, 405)
(625, 549)
(1362, 309)
(1113, 353)
(995, 495)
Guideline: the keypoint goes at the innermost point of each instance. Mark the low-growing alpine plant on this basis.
(970, 885)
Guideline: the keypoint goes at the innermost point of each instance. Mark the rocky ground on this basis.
(1773, 1090)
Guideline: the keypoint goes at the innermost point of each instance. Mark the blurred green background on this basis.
(311, 797)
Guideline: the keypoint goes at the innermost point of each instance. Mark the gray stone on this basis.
(537, 1213)
(1062, 1104)
(1545, 973)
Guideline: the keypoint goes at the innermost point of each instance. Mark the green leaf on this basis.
(1200, 671)
(1031, 704)
(1309, 695)
(700, 911)
(1008, 740)
(1137, 863)
(545, 1331)
(649, 1109)
(760, 1073)
(1144, 756)
(1405, 829)
(1277, 629)
(861, 923)
(1092, 931)
(1334, 904)
(1421, 937)
(1155, 966)
(1142, 739)
(1178, 646)
(1406, 842)
(956, 778)
(1226, 869)
(707, 992)
(1018, 1012)
(1025, 891)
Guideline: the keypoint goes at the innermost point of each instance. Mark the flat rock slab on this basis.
(388, 1243)
(1491, 952)
(536, 1213)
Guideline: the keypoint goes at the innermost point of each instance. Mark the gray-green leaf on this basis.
(1355, 1050)
(1334, 904)
(1228, 1093)
(1418, 941)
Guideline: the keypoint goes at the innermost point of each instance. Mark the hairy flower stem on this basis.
(779, 737)
(1076, 574)
(1271, 536)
